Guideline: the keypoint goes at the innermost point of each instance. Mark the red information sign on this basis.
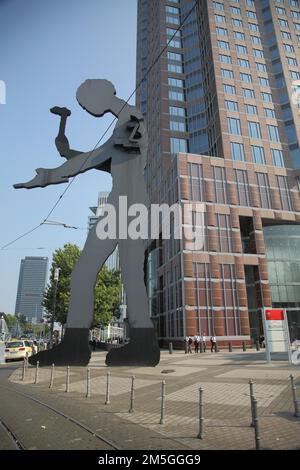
(274, 314)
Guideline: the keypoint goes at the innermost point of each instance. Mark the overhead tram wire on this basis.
(57, 202)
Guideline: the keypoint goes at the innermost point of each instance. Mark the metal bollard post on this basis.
(131, 408)
(244, 346)
(229, 347)
(88, 383)
(23, 370)
(294, 394)
(51, 376)
(256, 427)
(257, 345)
(201, 417)
(107, 400)
(170, 348)
(201, 347)
(37, 373)
(251, 398)
(26, 360)
(185, 347)
(163, 397)
(68, 380)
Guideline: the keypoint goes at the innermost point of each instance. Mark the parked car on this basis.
(17, 349)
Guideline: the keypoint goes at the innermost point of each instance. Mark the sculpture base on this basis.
(72, 351)
(142, 350)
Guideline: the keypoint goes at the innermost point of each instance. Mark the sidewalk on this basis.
(224, 378)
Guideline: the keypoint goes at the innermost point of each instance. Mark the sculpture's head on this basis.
(97, 96)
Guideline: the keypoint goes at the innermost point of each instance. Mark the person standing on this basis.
(204, 342)
(213, 341)
(190, 342)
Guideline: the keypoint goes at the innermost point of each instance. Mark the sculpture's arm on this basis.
(78, 164)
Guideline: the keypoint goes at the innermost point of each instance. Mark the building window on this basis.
(177, 126)
(284, 193)
(292, 61)
(244, 63)
(266, 97)
(261, 67)
(264, 81)
(289, 47)
(254, 130)
(224, 233)
(251, 109)
(234, 126)
(175, 111)
(239, 35)
(237, 23)
(258, 154)
(220, 190)
(241, 49)
(196, 182)
(225, 59)
(277, 157)
(242, 186)
(229, 89)
(248, 93)
(178, 145)
(237, 151)
(218, 6)
(263, 188)
(223, 45)
(273, 133)
(220, 19)
(231, 105)
(221, 31)
(270, 113)
(226, 73)
(258, 53)
(246, 77)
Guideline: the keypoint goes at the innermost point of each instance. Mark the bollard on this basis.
(201, 417)
(37, 373)
(26, 360)
(244, 346)
(163, 397)
(51, 376)
(185, 347)
(256, 427)
(229, 347)
(201, 347)
(107, 400)
(88, 383)
(23, 370)
(251, 398)
(170, 348)
(257, 345)
(68, 380)
(294, 394)
(131, 409)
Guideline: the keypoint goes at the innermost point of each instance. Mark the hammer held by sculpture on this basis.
(124, 156)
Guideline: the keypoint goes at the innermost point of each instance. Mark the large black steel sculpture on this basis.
(124, 156)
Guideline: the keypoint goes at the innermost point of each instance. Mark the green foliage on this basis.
(107, 289)
(11, 320)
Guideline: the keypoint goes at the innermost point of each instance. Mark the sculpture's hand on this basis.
(39, 181)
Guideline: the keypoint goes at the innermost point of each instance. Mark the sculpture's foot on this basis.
(72, 351)
(142, 350)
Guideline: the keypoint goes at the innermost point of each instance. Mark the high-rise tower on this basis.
(224, 129)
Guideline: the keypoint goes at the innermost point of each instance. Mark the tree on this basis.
(64, 258)
(11, 320)
(107, 289)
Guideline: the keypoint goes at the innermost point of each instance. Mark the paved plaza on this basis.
(223, 376)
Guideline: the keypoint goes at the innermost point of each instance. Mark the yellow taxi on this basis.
(17, 349)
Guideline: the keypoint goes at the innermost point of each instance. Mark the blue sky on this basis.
(47, 48)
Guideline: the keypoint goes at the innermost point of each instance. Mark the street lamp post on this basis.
(56, 277)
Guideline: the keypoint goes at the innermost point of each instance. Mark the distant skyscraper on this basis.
(31, 286)
(221, 103)
(112, 261)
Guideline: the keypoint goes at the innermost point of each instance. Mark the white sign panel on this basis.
(276, 331)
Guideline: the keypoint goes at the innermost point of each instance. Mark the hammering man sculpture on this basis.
(124, 156)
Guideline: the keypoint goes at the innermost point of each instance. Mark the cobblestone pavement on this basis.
(224, 378)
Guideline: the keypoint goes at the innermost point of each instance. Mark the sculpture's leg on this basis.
(143, 348)
(74, 348)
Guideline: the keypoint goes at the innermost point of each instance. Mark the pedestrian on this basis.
(94, 344)
(196, 343)
(190, 342)
(213, 341)
(204, 342)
